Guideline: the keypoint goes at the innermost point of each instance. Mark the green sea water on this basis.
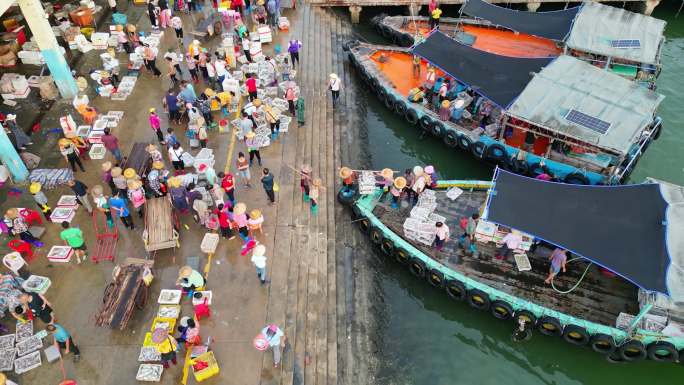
(425, 338)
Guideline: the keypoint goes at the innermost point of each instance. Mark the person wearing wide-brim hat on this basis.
(166, 345)
(17, 226)
(396, 189)
(314, 193)
(155, 154)
(334, 84)
(70, 153)
(259, 261)
(305, 181)
(241, 220)
(154, 179)
(136, 195)
(387, 180)
(252, 147)
(130, 174)
(179, 195)
(190, 279)
(119, 181)
(255, 221)
(102, 203)
(347, 175)
(41, 200)
(419, 183)
(107, 175)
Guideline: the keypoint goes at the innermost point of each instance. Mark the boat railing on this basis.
(646, 139)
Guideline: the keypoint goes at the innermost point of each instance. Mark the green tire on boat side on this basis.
(602, 343)
(632, 351)
(500, 309)
(478, 299)
(435, 278)
(455, 290)
(662, 351)
(375, 236)
(575, 335)
(401, 256)
(550, 326)
(417, 267)
(387, 247)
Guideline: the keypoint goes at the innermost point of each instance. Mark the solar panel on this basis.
(590, 122)
(626, 43)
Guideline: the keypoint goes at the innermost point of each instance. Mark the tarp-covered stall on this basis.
(554, 25)
(498, 78)
(581, 101)
(632, 230)
(618, 33)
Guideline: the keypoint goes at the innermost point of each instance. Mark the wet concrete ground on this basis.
(239, 304)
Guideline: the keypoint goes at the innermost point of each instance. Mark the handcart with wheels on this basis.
(161, 225)
(127, 291)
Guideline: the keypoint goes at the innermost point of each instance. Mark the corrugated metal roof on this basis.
(571, 84)
(597, 25)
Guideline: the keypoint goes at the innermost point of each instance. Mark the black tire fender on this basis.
(387, 246)
(496, 152)
(520, 166)
(455, 290)
(345, 198)
(390, 101)
(550, 326)
(500, 309)
(451, 138)
(426, 123)
(401, 256)
(375, 236)
(662, 351)
(478, 299)
(575, 335)
(364, 224)
(435, 278)
(438, 129)
(406, 40)
(536, 169)
(659, 130)
(602, 343)
(527, 316)
(400, 108)
(385, 31)
(411, 116)
(576, 178)
(477, 149)
(417, 267)
(632, 351)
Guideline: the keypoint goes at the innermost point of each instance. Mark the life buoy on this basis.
(536, 169)
(632, 351)
(375, 236)
(575, 335)
(438, 129)
(406, 40)
(501, 310)
(527, 316)
(496, 152)
(602, 343)
(451, 138)
(426, 123)
(662, 351)
(390, 101)
(417, 267)
(550, 326)
(345, 196)
(455, 290)
(411, 116)
(400, 108)
(520, 166)
(401, 256)
(387, 246)
(364, 225)
(477, 148)
(576, 178)
(478, 299)
(435, 278)
(464, 142)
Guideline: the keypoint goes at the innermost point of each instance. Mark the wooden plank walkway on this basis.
(366, 3)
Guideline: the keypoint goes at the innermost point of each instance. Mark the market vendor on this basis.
(190, 279)
(10, 291)
(36, 306)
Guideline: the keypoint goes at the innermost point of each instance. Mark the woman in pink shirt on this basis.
(155, 124)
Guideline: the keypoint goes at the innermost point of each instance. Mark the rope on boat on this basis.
(576, 284)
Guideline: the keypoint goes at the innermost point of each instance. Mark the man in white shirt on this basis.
(510, 242)
(221, 72)
(441, 235)
(259, 261)
(334, 84)
(275, 338)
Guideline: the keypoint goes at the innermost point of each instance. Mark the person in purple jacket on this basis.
(293, 48)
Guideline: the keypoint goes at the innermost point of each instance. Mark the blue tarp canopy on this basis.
(498, 78)
(554, 25)
(626, 229)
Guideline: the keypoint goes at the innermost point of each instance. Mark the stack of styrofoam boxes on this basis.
(204, 156)
(96, 133)
(255, 51)
(280, 104)
(419, 231)
(20, 85)
(83, 44)
(420, 226)
(125, 87)
(366, 182)
(265, 35)
(427, 200)
(31, 57)
(100, 40)
(285, 123)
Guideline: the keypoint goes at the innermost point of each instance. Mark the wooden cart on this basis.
(126, 292)
(161, 225)
(138, 159)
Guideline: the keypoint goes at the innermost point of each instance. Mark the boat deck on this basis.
(598, 298)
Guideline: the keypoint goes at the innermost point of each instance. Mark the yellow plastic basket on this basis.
(171, 321)
(148, 339)
(209, 371)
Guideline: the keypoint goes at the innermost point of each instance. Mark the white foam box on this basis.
(97, 151)
(100, 125)
(58, 218)
(265, 35)
(83, 131)
(209, 243)
(95, 137)
(68, 201)
(60, 254)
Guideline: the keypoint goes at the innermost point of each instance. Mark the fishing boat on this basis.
(480, 34)
(625, 43)
(622, 293)
(560, 117)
